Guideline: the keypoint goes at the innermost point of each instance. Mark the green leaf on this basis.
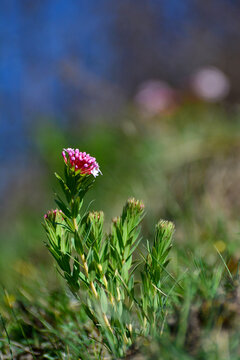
(64, 187)
(62, 206)
(92, 275)
(78, 243)
(103, 301)
(120, 308)
(76, 207)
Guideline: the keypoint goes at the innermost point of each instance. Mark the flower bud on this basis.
(166, 225)
(54, 216)
(94, 227)
(132, 209)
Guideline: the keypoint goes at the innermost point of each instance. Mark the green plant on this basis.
(102, 270)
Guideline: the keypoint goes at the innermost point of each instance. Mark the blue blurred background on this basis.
(151, 88)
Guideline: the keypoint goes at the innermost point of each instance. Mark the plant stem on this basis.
(92, 286)
(107, 322)
(75, 224)
(85, 265)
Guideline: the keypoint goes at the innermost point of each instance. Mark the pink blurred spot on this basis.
(155, 97)
(210, 84)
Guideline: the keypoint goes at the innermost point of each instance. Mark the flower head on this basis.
(81, 161)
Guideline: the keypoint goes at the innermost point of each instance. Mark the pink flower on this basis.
(81, 161)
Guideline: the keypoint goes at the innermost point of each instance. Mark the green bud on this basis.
(165, 228)
(94, 228)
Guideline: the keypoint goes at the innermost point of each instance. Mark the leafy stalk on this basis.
(104, 264)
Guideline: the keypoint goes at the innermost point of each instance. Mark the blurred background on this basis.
(150, 88)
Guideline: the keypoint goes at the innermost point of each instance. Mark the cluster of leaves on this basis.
(100, 269)
(202, 321)
(42, 325)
